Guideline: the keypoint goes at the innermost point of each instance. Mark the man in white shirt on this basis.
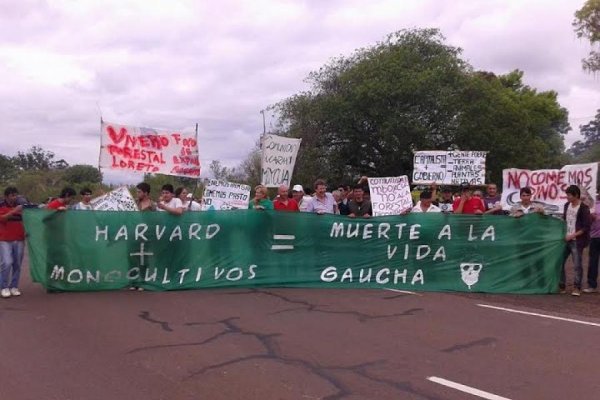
(323, 202)
(425, 205)
(525, 206)
(168, 202)
(302, 200)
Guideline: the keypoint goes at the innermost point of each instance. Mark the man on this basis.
(592, 275)
(144, 202)
(359, 206)
(425, 203)
(492, 200)
(525, 206)
(168, 202)
(86, 197)
(282, 202)
(12, 243)
(445, 204)
(344, 199)
(63, 201)
(323, 202)
(577, 216)
(467, 203)
(301, 199)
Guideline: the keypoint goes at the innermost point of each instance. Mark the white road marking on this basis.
(284, 237)
(540, 315)
(466, 389)
(282, 247)
(403, 291)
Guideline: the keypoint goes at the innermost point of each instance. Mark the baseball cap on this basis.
(465, 186)
(189, 196)
(297, 188)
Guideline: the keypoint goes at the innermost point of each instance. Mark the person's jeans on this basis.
(571, 249)
(592, 275)
(11, 257)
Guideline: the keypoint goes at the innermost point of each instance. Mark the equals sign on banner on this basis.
(287, 238)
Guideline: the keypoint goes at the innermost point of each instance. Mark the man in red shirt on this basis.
(12, 243)
(467, 203)
(65, 198)
(282, 202)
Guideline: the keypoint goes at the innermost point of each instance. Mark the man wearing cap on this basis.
(467, 203)
(445, 204)
(282, 202)
(301, 199)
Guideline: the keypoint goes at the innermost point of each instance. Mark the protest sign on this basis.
(246, 248)
(278, 160)
(116, 200)
(134, 149)
(449, 167)
(548, 185)
(390, 196)
(223, 195)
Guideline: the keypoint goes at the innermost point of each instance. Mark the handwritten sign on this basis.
(278, 160)
(449, 167)
(116, 200)
(390, 196)
(145, 150)
(548, 185)
(223, 195)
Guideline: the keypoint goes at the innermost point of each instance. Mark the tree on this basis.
(367, 113)
(8, 169)
(587, 26)
(82, 173)
(38, 159)
(583, 150)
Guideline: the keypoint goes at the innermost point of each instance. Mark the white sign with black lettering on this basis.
(449, 167)
(119, 199)
(223, 195)
(390, 196)
(278, 160)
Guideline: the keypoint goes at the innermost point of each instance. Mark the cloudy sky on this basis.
(171, 64)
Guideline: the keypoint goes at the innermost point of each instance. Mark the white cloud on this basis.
(177, 63)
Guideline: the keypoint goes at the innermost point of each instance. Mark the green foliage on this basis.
(8, 169)
(82, 173)
(587, 26)
(367, 113)
(591, 135)
(37, 159)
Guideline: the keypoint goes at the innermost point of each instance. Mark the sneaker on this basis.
(140, 289)
(590, 290)
(5, 293)
(563, 291)
(15, 291)
(576, 292)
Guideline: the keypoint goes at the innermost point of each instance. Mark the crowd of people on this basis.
(583, 224)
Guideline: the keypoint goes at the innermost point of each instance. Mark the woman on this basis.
(187, 200)
(260, 200)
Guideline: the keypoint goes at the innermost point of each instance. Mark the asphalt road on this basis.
(295, 344)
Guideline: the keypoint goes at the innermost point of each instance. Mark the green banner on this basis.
(87, 250)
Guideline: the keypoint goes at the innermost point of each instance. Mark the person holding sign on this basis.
(467, 203)
(186, 199)
(283, 202)
(577, 216)
(359, 206)
(168, 202)
(425, 203)
(525, 206)
(261, 200)
(323, 202)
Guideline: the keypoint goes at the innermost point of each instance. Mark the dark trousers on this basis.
(592, 274)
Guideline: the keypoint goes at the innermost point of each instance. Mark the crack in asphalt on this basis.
(272, 351)
(145, 315)
(480, 342)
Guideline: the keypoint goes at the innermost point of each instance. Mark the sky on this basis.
(172, 64)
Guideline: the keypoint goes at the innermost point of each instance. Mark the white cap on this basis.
(297, 188)
(189, 196)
